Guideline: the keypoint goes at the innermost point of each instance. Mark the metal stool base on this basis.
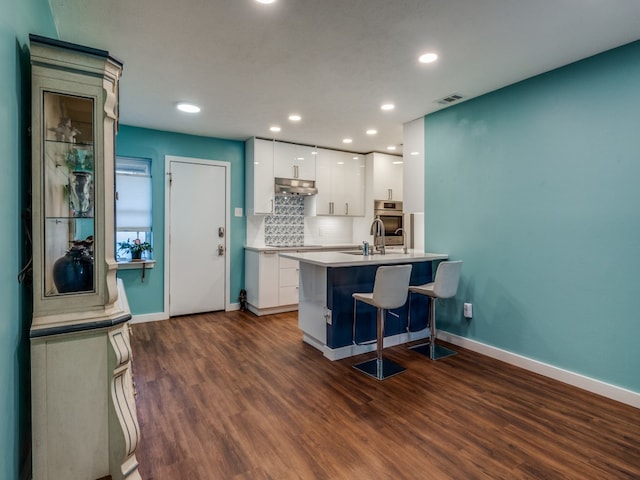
(388, 368)
(438, 352)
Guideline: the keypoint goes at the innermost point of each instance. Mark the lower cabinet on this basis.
(83, 404)
(271, 282)
(289, 273)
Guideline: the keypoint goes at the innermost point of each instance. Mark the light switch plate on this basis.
(238, 212)
(468, 310)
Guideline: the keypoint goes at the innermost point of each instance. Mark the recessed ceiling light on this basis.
(314, 153)
(397, 162)
(266, 2)
(372, 131)
(356, 158)
(340, 163)
(414, 153)
(427, 57)
(275, 128)
(387, 106)
(347, 140)
(294, 117)
(391, 147)
(187, 107)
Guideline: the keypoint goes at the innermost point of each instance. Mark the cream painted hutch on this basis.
(83, 407)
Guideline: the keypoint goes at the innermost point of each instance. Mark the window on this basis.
(133, 203)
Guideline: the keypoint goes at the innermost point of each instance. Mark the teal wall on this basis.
(148, 297)
(18, 18)
(537, 188)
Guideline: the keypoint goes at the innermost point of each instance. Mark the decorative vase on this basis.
(81, 193)
(74, 271)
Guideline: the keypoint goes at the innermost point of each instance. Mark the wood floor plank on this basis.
(233, 396)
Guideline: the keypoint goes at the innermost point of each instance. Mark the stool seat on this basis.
(390, 290)
(445, 285)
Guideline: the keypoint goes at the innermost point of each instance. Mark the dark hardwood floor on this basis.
(235, 396)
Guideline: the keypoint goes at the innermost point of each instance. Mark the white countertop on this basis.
(341, 259)
(301, 248)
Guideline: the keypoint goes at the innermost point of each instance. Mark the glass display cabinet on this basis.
(74, 120)
(69, 174)
(83, 406)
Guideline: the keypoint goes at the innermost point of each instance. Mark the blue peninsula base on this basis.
(325, 312)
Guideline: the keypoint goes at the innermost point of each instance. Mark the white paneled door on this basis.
(197, 198)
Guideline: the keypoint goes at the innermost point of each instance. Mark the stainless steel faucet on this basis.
(404, 239)
(377, 230)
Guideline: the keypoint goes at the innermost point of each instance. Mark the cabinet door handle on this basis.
(271, 205)
(390, 193)
(346, 208)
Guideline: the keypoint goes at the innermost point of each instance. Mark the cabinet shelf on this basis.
(70, 217)
(70, 144)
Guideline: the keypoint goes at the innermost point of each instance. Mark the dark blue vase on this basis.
(74, 271)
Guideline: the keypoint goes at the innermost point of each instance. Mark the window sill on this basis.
(136, 265)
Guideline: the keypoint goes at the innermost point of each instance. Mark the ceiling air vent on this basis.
(449, 99)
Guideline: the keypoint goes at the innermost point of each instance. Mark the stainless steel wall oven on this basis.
(390, 212)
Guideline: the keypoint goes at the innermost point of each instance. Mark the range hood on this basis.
(295, 186)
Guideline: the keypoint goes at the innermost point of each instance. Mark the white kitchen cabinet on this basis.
(387, 177)
(261, 279)
(413, 166)
(271, 282)
(340, 180)
(259, 188)
(294, 161)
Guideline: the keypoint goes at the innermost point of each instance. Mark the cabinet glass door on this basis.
(68, 199)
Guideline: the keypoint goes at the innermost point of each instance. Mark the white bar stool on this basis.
(445, 285)
(390, 290)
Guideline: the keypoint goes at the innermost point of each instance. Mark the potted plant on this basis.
(135, 248)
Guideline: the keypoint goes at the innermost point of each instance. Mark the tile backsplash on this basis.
(285, 228)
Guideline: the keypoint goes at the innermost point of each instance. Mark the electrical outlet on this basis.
(468, 310)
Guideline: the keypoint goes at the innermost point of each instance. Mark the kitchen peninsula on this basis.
(325, 311)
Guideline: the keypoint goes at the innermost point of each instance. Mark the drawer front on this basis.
(288, 295)
(288, 263)
(289, 277)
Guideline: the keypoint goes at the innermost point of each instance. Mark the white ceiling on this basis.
(250, 65)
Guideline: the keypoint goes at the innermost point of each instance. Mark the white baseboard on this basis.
(149, 317)
(613, 392)
(154, 317)
(271, 310)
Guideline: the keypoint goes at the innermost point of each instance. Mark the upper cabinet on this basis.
(413, 166)
(74, 117)
(387, 177)
(259, 189)
(340, 181)
(294, 161)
